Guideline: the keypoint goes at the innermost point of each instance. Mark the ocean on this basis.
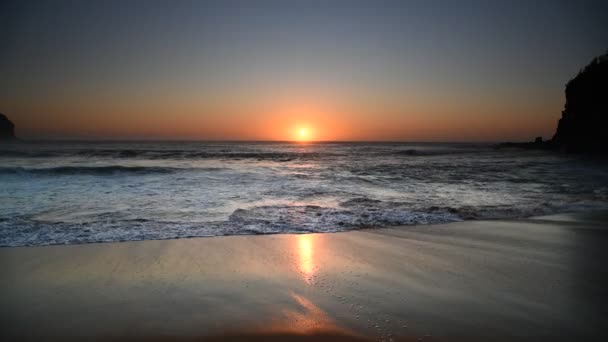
(84, 192)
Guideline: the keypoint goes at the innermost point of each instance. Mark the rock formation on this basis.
(582, 127)
(7, 128)
(584, 123)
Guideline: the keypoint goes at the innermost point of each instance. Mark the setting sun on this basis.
(303, 134)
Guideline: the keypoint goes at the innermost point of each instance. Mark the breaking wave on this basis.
(358, 213)
(94, 170)
(166, 154)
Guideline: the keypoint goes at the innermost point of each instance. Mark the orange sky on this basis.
(282, 118)
(395, 71)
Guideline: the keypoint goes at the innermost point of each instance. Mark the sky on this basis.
(271, 70)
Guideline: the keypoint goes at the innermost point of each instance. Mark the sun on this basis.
(303, 134)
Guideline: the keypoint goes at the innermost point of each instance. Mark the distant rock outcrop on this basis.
(584, 123)
(537, 144)
(7, 128)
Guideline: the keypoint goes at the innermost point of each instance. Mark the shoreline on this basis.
(533, 279)
(581, 213)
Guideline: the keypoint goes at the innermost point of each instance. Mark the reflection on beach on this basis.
(305, 251)
(303, 319)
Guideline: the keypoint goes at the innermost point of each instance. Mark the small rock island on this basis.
(7, 129)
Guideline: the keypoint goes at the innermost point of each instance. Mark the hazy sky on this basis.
(344, 70)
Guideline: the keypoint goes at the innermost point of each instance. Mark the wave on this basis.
(358, 213)
(30, 154)
(180, 154)
(234, 151)
(168, 154)
(90, 170)
(278, 219)
(435, 151)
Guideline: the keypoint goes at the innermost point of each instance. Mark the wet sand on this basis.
(535, 279)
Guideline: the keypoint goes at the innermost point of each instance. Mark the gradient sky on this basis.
(249, 70)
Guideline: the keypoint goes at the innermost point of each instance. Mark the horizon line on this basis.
(111, 140)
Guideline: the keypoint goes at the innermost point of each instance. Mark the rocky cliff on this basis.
(584, 123)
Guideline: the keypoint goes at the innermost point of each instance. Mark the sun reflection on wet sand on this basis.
(309, 317)
(306, 318)
(305, 251)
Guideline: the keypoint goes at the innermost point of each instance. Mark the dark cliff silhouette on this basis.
(582, 127)
(584, 121)
(7, 129)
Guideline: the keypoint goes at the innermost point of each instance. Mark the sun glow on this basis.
(303, 134)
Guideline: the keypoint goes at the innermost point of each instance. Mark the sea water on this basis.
(80, 192)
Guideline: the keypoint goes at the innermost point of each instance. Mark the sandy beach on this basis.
(533, 279)
(303, 170)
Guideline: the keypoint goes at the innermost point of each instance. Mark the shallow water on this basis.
(78, 192)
